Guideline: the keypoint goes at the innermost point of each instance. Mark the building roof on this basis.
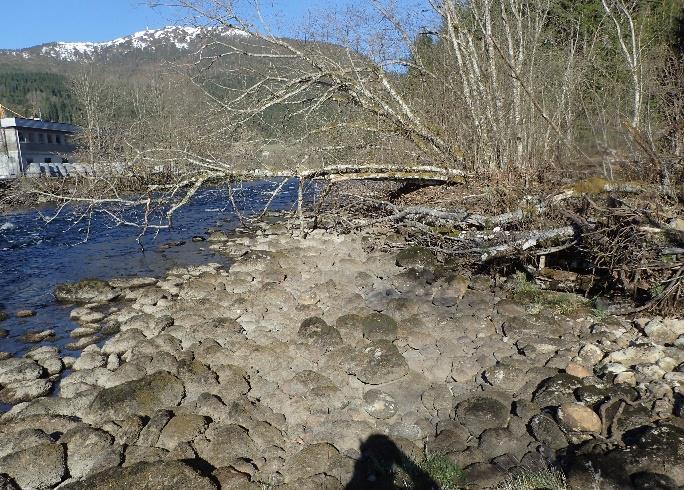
(19, 123)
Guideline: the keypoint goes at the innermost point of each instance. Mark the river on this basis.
(35, 255)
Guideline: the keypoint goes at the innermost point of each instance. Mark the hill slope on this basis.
(35, 80)
(37, 93)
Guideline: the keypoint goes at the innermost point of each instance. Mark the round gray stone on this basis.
(378, 326)
(40, 467)
(380, 362)
(379, 404)
(315, 331)
(479, 413)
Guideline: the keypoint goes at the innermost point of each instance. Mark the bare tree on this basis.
(629, 38)
(97, 101)
(495, 102)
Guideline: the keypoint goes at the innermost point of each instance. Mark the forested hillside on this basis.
(37, 93)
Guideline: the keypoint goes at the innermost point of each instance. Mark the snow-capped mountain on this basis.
(178, 38)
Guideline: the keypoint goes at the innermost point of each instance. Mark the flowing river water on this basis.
(35, 256)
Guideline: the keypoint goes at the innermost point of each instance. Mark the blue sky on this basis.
(27, 23)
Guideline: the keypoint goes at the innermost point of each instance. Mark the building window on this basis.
(58, 139)
(22, 137)
(48, 160)
(49, 138)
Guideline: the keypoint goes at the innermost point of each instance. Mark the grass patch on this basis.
(449, 231)
(443, 471)
(538, 299)
(431, 473)
(593, 185)
(528, 479)
(600, 314)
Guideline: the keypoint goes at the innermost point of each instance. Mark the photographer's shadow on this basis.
(383, 465)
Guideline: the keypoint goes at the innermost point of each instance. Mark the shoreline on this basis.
(274, 370)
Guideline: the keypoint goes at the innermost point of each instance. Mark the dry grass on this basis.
(537, 299)
(535, 479)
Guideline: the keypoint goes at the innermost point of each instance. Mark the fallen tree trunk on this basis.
(457, 218)
(518, 243)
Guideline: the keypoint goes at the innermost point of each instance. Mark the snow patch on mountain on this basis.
(178, 36)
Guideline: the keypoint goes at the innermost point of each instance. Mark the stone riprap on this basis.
(273, 373)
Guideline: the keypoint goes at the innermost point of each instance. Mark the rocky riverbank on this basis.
(309, 360)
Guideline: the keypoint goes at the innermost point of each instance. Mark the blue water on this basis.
(35, 255)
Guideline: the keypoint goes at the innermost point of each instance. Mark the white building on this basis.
(34, 147)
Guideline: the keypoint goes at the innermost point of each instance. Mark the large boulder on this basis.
(18, 369)
(557, 390)
(451, 440)
(160, 475)
(14, 441)
(89, 360)
(449, 290)
(123, 342)
(575, 417)
(90, 451)
(49, 424)
(24, 391)
(144, 454)
(659, 450)
(379, 404)
(310, 461)
(507, 377)
(132, 282)
(231, 479)
(546, 430)
(138, 397)
(499, 441)
(593, 395)
(664, 331)
(380, 362)
(149, 435)
(637, 354)
(37, 467)
(127, 431)
(85, 291)
(226, 445)
(317, 393)
(378, 326)
(149, 325)
(481, 412)
(417, 257)
(485, 475)
(181, 428)
(315, 331)
(656, 456)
